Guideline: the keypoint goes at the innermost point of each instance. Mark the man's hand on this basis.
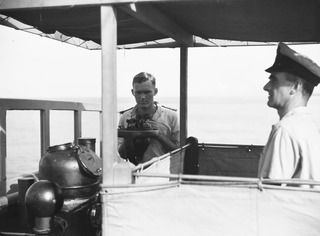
(165, 141)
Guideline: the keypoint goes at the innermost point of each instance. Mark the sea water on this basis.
(227, 120)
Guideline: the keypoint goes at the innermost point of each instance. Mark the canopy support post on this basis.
(109, 91)
(109, 100)
(183, 94)
(3, 152)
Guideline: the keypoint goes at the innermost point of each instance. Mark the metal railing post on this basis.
(44, 130)
(77, 125)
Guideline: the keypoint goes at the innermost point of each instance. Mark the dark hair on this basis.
(143, 77)
(307, 87)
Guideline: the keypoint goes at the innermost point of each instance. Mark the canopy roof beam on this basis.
(32, 4)
(160, 22)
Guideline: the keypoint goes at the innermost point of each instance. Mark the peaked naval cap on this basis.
(288, 60)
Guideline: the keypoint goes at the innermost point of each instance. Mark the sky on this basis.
(36, 67)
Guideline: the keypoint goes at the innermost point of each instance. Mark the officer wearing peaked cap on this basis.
(290, 61)
(292, 150)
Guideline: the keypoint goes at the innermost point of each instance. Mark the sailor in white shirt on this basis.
(149, 115)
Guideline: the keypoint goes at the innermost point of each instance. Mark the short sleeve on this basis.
(175, 129)
(122, 121)
(280, 156)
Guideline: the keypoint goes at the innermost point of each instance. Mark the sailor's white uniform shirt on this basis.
(293, 148)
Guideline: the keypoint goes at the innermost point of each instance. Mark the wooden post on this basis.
(183, 94)
(109, 101)
(109, 91)
(3, 152)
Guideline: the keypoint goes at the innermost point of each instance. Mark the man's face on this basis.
(278, 89)
(144, 93)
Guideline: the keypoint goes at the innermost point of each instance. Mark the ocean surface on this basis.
(235, 120)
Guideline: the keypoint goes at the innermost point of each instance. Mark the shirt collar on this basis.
(297, 110)
(155, 115)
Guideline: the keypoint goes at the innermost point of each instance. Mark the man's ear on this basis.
(155, 91)
(132, 92)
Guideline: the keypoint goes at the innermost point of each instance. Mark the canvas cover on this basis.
(245, 20)
(212, 210)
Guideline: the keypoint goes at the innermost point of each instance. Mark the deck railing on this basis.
(44, 106)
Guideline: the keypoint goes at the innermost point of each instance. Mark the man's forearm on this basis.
(167, 143)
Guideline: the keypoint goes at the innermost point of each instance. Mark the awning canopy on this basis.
(189, 23)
